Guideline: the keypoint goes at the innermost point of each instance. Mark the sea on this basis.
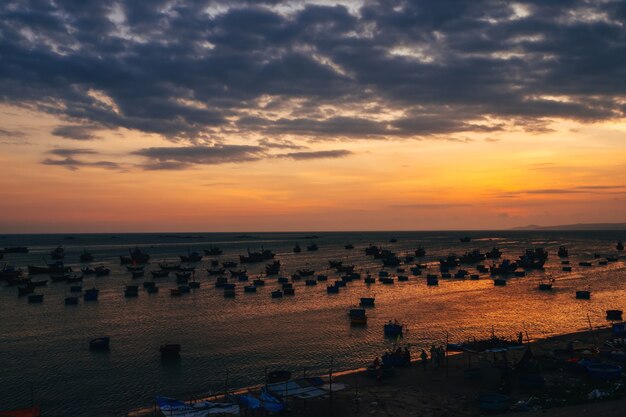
(230, 343)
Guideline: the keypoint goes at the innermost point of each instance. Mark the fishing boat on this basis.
(175, 292)
(229, 264)
(101, 271)
(332, 289)
(160, 274)
(494, 253)
(74, 278)
(567, 269)
(152, 290)
(450, 262)
(335, 264)
(213, 272)
(310, 282)
(183, 276)
(91, 294)
(76, 288)
(322, 278)
(138, 274)
(393, 329)
(504, 268)
(357, 316)
(499, 282)
(472, 257)
(367, 301)
(57, 253)
(546, 286)
(35, 298)
(54, 268)
(88, 271)
(563, 252)
(169, 266)
(277, 294)
(305, 272)
(249, 288)
(100, 343)
(16, 249)
(370, 280)
(191, 257)
(614, 315)
(289, 291)
(70, 301)
(25, 290)
(432, 280)
(619, 246)
(273, 268)
(420, 252)
(59, 277)
(297, 249)
(136, 257)
(465, 239)
(533, 259)
(131, 291)
(135, 267)
(170, 351)
(312, 247)
(392, 260)
(41, 283)
(253, 257)
(585, 263)
(213, 251)
(583, 295)
(86, 256)
(348, 246)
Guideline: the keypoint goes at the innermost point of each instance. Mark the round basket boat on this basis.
(604, 371)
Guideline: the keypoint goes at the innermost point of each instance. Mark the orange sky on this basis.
(231, 115)
(572, 174)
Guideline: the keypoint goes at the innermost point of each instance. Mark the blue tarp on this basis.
(178, 408)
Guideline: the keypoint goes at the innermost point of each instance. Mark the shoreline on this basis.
(356, 379)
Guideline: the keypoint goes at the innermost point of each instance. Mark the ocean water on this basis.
(230, 342)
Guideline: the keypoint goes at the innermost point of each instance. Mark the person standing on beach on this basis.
(424, 357)
(433, 355)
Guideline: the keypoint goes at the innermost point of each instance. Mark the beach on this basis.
(437, 392)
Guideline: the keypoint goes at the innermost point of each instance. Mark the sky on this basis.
(184, 115)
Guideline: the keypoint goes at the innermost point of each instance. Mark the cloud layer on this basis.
(200, 70)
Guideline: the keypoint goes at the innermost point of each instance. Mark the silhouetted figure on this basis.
(424, 357)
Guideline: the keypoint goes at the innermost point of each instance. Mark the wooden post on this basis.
(330, 382)
(446, 354)
(356, 391)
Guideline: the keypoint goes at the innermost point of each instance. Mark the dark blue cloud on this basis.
(203, 70)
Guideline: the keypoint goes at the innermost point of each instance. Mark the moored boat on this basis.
(357, 316)
(100, 343)
(170, 350)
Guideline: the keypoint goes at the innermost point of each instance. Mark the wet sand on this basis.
(431, 392)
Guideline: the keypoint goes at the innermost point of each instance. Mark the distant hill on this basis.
(577, 226)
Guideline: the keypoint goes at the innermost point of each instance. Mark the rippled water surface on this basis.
(231, 341)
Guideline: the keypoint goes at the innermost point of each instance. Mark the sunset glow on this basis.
(311, 117)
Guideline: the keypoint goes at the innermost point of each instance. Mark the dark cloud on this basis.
(75, 132)
(11, 133)
(335, 153)
(203, 70)
(67, 158)
(177, 158)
